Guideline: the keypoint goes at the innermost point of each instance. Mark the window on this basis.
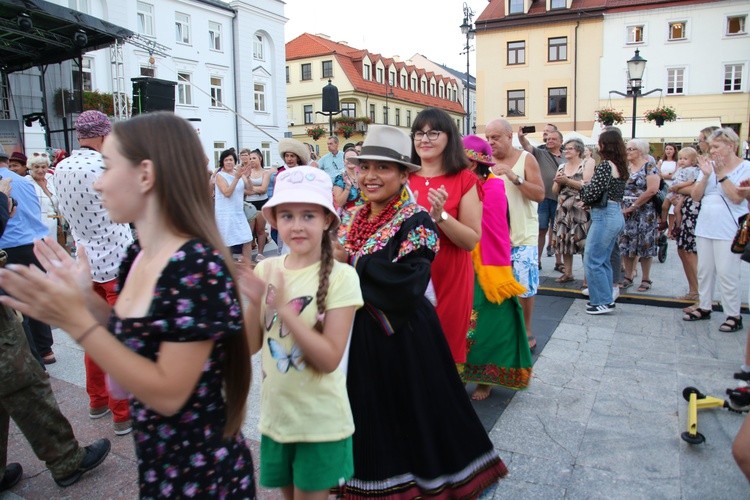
(265, 150)
(391, 78)
(432, 88)
(414, 83)
(182, 27)
(385, 115)
(408, 118)
(184, 89)
(367, 72)
(558, 4)
(558, 49)
(736, 25)
(80, 5)
(675, 80)
(733, 77)
(258, 48)
(635, 34)
(380, 75)
(84, 78)
(214, 35)
(516, 53)
(349, 109)
(219, 146)
(327, 69)
(216, 93)
(516, 103)
(403, 81)
(148, 71)
(398, 117)
(372, 113)
(515, 6)
(557, 103)
(145, 19)
(259, 96)
(308, 112)
(677, 30)
(424, 87)
(307, 71)
(287, 74)
(441, 92)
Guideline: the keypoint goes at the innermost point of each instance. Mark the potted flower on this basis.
(362, 123)
(661, 114)
(316, 131)
(345, 126)
(609, 116)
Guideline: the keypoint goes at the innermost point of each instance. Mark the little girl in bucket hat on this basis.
(301, 313)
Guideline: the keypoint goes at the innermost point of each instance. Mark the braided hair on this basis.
(326, 266)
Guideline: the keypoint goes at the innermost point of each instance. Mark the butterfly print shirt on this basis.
(297, 404)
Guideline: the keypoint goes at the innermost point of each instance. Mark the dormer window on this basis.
(515, 6)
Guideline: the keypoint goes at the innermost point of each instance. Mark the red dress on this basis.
(452, 271)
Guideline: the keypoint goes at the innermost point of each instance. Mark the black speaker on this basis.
(331, 98)
(152, 94)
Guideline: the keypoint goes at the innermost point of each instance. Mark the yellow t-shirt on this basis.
(297, 404)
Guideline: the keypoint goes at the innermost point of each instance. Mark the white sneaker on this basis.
(615, 292)
(585, 291)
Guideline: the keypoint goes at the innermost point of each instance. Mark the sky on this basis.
(389, 27)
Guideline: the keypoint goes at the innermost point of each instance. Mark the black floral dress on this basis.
(638, 239)
(186, 455)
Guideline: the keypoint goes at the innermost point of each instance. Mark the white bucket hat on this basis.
(302, 185)
(288, 145)
(386, 143)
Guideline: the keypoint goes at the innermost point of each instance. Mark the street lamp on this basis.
(467, 29)
(330, 104)
(388, 93)
(636, 67)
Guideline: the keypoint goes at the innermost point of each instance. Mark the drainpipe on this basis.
(575, 79)
(237, 81)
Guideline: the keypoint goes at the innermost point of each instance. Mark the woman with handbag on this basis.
(604, 195)
(721, 205)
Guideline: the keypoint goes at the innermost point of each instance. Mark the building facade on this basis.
(376, 89)
(226, 59)
(558, 61)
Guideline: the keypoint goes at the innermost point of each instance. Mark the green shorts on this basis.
(308, 466)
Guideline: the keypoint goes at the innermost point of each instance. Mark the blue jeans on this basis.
(606, 225)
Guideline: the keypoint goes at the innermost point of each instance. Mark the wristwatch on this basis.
(724, 178)
(443, 217)
(518, 180)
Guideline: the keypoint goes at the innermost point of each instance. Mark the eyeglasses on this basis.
(40, 154)
(631, 149)
(569, 149)
(431, 135)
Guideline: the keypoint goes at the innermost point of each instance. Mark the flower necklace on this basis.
(362, 227)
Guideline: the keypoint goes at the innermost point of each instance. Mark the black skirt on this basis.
(416, 433)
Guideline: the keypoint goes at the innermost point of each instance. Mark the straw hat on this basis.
(294, 146)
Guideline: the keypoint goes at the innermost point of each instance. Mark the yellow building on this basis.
(371, 88)
(558, 61)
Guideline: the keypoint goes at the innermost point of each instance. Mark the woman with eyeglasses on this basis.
(722, 203)
(38, 165)
(638, 239)
(450, 192)
(572, 220)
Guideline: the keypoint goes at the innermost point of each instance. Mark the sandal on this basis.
(645, 285)
(531, 339)
(565, 278)
(560, 267)
(626, 283)
(697, 315)
(732, 324)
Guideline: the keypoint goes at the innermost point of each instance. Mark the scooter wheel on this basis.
(687, 391)
(697, 439)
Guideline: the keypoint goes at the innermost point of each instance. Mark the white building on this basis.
(225, 57)
(697, 53)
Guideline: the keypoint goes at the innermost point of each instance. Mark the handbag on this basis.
(660, 196)
(602, 201)
(742, 237)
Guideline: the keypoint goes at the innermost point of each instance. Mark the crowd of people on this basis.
(407, 267)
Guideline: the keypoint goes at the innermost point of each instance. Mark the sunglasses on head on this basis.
(40, 154)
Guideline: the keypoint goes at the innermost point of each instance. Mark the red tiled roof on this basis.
(350, 60)
(496, 8)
